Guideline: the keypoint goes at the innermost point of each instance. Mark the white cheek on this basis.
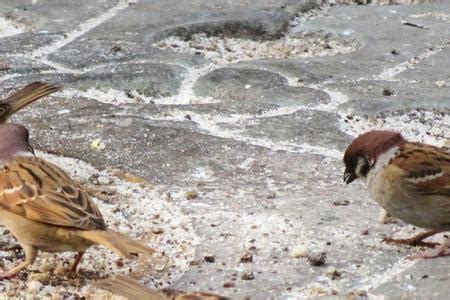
(382, 162)
(24, 154)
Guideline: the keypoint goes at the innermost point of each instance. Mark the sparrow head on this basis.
(13, 141)
(362, 154)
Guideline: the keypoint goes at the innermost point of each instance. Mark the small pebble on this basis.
(157, 230)
(119, 263)
(248, 276)
(129, 93)
(104, 180)
(40, 277)
(271, 195)
(195, 263)
(333, 273)
(34, 286)
(317, 259)
(210, 258)
(159, 267)
(358, 293)
(440, 83)
(388, 92)
(341, 203)
(228, 285)
(247, 258)
(116, 48)
(191, 195)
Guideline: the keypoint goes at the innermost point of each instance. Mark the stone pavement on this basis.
(236, 114)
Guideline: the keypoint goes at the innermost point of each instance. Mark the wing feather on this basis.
(427, 168)
(40, 191)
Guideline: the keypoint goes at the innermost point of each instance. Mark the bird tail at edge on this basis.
(29, 94)
(123, 245)
(128, 287)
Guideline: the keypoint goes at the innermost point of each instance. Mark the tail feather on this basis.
(130, 288)
(123, 245)
(133, 289)
(25, 96)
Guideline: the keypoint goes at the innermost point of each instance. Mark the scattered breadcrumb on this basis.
(299, 251)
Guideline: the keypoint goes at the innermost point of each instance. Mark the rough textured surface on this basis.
(215, 129)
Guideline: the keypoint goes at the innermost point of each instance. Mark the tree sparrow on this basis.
(135, 290)
(45, 210)
(411, 181)
(23, 97)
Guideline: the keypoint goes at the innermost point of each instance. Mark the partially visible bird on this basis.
(135, 290)
(46, 210)
(23, 97)
(411, 181)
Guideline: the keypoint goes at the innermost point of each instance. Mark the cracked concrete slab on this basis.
(215, 131)
(383, 98)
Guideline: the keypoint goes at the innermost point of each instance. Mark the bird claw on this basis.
(6, 275)
(411, 242)
(428, 255)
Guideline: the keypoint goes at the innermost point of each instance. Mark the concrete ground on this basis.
(216, 129)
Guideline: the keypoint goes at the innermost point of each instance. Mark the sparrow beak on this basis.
(349, 177)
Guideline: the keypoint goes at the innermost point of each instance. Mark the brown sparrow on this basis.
(45, 210)
(135, 290)
(23, 97)
(411, 181)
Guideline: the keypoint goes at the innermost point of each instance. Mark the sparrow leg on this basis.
(441, 251)
(416, 240)
(73, 267)
(30, 256)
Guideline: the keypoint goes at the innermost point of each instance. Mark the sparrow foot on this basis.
(428, 255)
(411, 242)
(440, 252)
(416, 240)
(7, 275)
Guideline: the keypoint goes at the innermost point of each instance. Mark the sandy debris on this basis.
(9, 28)
(430, 127)
(223, 50)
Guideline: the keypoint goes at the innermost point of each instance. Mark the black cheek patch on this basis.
(365, 170)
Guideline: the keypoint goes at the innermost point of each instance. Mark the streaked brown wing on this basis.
(427, 169)
(42, 192)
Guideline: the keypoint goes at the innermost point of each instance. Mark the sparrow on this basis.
(411, 181)
(23, 97)
(133, 289)
(46, 210)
